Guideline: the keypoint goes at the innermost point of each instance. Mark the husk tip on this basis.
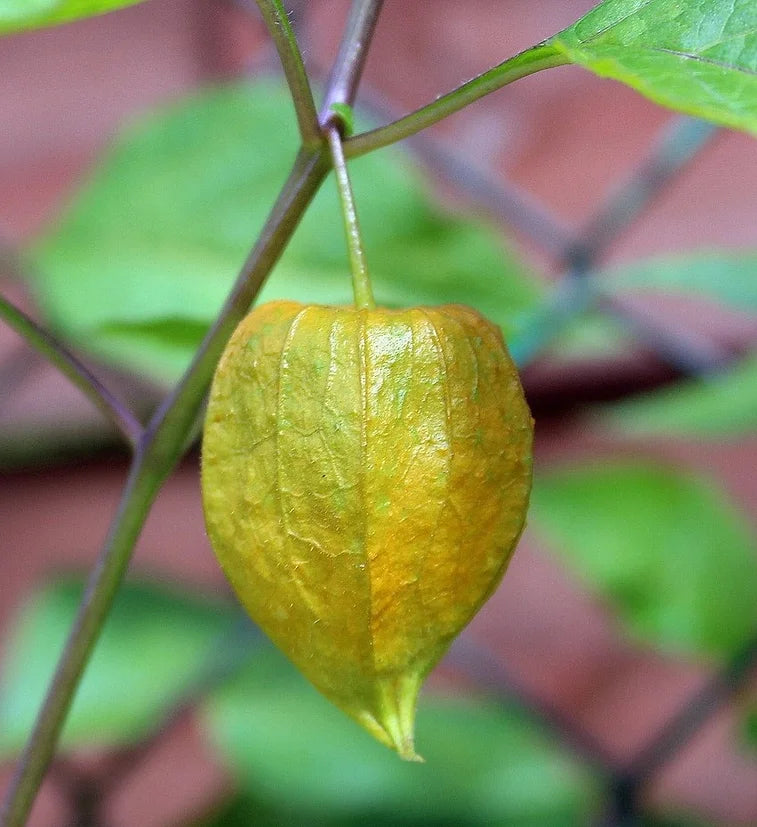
(406, 752)
(392, 722)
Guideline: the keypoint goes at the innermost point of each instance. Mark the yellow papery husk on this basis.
(365, 478)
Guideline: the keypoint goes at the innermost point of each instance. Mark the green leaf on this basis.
(16, 15)
(672, 557)
(243, 811)
(152, 647)
(724, 276)
(697, 56)
(142, 261)
(718, 406)
(484, 764)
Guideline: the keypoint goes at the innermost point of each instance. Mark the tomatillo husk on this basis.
(365, 478)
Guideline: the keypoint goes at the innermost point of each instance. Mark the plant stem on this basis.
(159, 450)
(57, 354)
(526, 63)
(350, 60)
(164, 439)
(283, 36)
(341, 89)
(361, 281)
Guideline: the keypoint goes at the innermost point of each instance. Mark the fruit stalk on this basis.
(365, 478)
(361, 281)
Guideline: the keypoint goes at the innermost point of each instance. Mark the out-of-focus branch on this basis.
(715, 693)
(688, 351)
(625, 791)
(57, 354)
(15, 368)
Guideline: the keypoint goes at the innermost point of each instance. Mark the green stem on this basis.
(159, 450)
(283, 36)
(361, 281)
(526, 63)
(58, 355)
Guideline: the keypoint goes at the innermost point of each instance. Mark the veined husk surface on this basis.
(365, 478)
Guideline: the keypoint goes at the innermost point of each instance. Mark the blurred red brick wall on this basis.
(566, 136)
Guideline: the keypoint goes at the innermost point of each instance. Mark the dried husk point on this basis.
(365, 477)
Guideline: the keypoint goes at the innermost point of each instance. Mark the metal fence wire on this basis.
(579, 256)
(678, 143)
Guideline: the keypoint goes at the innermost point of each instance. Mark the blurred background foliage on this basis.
(140, 264)
(132, 273)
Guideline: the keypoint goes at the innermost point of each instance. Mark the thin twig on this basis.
(105, 578)
(350, 60)
(526, 63)
(503, 200)
(308, 173)
(283, 36)
(158, 452)
(341, 89)
(58, 355)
